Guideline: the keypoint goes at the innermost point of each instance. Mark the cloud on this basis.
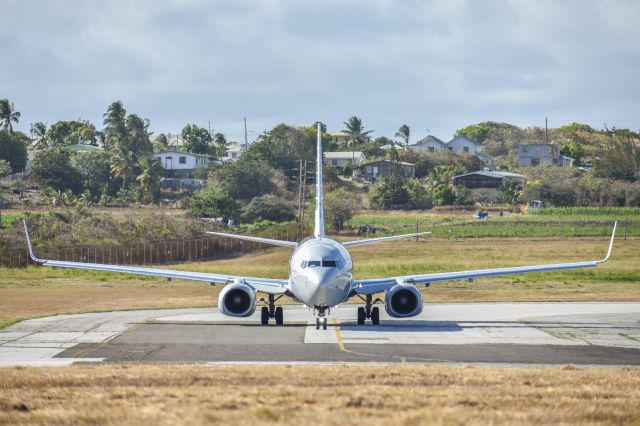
(436, 65)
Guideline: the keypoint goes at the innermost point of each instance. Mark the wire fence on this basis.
(210, 248)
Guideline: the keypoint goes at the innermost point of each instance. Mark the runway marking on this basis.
(340, 343)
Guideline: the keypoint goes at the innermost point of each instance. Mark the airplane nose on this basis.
(319, 276)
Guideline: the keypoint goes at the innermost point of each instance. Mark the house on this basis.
(233, 152)
(342, 138)
(338, 159)
(460, 145)
(382, 168)
(395, 145)
(532, 155)
(182, 164)
(428, 144)
(487, 181)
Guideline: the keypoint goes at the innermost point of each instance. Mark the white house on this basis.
(428, 144)
(182, 164)
(338, 159)
(233, 152)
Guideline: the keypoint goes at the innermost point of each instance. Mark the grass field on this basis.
(331, 395)
(38, 291)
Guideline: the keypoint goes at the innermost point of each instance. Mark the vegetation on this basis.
(285, 394)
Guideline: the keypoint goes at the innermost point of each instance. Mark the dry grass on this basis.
(333, 395)
(43, 291)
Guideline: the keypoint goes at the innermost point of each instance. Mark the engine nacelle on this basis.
(237, 300)
(403, 300)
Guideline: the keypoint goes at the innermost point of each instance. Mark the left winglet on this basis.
(31, 253)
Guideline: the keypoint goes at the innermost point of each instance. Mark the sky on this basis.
(434, 65)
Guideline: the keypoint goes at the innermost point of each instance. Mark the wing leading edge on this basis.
(266, 285)
(376, 285)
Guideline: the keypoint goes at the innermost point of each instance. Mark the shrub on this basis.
(268, 207)
(214, 203)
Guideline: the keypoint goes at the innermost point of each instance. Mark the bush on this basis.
(53, 169)
(339, 207)
(268, 207)
(443, 195)
(214, 203)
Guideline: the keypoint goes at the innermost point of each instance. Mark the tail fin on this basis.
(319, 229)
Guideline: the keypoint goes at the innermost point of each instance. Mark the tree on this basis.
(418, 195)
(620, 159)
(53, 169)
(64, 133)
(5, 168)
(13, 149)
(215, 203)
(123, 164)
(404, 133)
(220, 144)
(8, 115)
(161, 143)
(40, 137)
(511, 193)
(443, 195)
(339, 207)
(574, 150)
(95, 173)
(197, 140)
(149, 179)
(246, 179)
(115, 127)
(356, 131)
(268, 207)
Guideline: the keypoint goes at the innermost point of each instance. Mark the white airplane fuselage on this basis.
(321, 272)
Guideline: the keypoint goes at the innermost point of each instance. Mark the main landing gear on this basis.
(321, 317)
(373, 313)
(272, 311)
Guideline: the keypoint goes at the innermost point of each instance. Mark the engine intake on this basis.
(237, 300)
(403, 300)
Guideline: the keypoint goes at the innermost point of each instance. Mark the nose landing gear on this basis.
(373, 313)
(321, 319)
(271, 311)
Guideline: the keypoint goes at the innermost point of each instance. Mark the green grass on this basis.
(611, 213)
(9, 219)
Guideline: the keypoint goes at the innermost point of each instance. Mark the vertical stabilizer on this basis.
(319, 229)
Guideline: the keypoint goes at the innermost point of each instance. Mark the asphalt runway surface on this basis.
(478, 333)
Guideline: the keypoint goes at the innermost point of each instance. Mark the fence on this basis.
(209, 248)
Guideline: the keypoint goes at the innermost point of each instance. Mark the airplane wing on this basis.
(376, 285)
(381, 239)
(265, 285)
(282, 243)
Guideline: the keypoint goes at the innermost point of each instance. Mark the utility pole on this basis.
(246, 143)
(546, 136)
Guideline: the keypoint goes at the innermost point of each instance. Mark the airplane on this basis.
(320, 275)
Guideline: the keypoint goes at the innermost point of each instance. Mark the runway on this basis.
(479, 333)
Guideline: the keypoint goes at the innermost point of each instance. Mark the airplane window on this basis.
(303, 264)
(312, 263)
(329, 263)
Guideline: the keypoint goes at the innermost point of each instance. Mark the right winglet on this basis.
(31, 253)
(613, 235)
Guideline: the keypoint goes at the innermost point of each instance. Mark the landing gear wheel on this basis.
(279, 316)
(324, 323)
(375, 316)
(317, 323)
(361, 316)
(264, 315)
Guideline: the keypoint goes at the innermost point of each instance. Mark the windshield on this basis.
(319, 263)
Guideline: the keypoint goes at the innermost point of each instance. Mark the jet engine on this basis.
(403, 300)
(237, 300)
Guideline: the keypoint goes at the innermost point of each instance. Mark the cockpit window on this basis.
(318, 263)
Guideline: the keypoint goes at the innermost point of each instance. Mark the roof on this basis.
(340, 133)
(465, 138)
(182, 153)
(427, 139)
(343, 154)
(392, 146)
(388, 161)
(493, 174)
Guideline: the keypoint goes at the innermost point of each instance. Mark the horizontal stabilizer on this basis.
(381, 239)
(281, 243)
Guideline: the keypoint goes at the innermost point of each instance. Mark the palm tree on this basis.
(149, 179)
(122, 164)
(404, 133)
(114, 120)
(220, 143)
(356, 130)
(40, 137)
(8, 114)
